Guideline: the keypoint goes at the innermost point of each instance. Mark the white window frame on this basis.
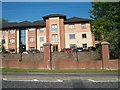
(72, 37)
(71, 26)
(12, 40)
(12, 31)
(32, 39)
(83, 25)
(54, 28)
(41, 29)
(83, 34)
(31, 29)
(42, 39)
(83, 45)
(3, 32)
(54, 38)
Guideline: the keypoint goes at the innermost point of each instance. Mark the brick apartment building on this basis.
(54, 28)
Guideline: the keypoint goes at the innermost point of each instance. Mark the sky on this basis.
(32, 11)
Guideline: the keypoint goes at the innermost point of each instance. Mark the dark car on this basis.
(79, 49)
(91, 48)
(67, 50)
(33, 51)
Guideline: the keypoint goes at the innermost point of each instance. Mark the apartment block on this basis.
(54, 28)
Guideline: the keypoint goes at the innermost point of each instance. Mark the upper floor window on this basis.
(3, 32)
(54, 28)
(84, 36)
(84, 26)
(71, 36)
(41, 29)
(31, 39)
(12, 40)
(84, 45)
(31, 30)
(71, 26)
(54, 38)
(11, 31)
(41, 39)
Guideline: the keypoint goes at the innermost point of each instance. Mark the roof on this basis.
(23, 24)
(77, 20)
(54, 15)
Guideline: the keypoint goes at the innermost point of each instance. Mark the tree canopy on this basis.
(106, 24)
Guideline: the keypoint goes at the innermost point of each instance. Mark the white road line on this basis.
(4, 78)
(103, 81)
(35, 80)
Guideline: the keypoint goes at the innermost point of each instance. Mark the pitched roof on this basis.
(23, 24)
(54, 15)
(39, 23)
(76, 20)
(9, 25)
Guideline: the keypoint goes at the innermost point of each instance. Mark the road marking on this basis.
(35, 80)
(4, 78)
(103, 81)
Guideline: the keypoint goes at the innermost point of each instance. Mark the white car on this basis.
(25, 53)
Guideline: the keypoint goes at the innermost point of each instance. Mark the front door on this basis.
(55, 48)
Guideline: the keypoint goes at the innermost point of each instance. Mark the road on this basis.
(60, 80)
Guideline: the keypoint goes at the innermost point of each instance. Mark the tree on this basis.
(106, 24)
(4, 20)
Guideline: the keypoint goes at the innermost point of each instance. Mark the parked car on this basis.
(67, 50)
(91, 49)
(34, 51)
(80, 49)
(25, 53)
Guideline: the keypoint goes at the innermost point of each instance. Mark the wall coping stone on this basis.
(105, 43)
(47, 44)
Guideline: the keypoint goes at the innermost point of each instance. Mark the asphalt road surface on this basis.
(56, 80)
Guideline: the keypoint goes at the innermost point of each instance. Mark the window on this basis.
(31, 30)
(41, 39)
(41, 29)
(85, 45)
(73, 46)
(12, 40)
(84, 36)
(54, 28)
(32, 39)
(3, 32)
(71, 26)
(3, 41)
(83, 26)
(22, 36)
(71, 36)
(55, 38)
(11, 31)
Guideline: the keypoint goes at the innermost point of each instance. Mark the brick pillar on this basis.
(105, 54)
(47, 55)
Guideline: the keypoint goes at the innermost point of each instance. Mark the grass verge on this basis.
(56, 71)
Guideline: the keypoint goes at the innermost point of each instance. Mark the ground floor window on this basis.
(85, 45)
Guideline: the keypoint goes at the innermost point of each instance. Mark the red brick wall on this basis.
(59, 64)
(64, 62)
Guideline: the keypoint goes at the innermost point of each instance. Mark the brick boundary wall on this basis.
(47, 63)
